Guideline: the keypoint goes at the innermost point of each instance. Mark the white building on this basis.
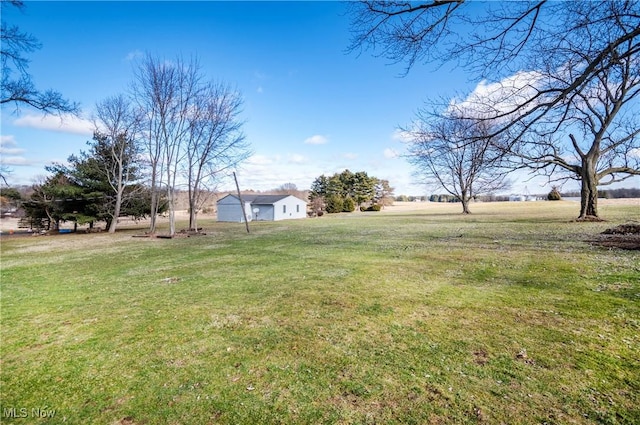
(261, 208)
(522, 198)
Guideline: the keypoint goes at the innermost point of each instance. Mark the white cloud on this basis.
(8, 140)
(10, 153)
(491, 99)
(260, 160)
(266, 172)
(63, 124)
(297, 159)
(8, 146)
(402, 136)
(316, 140)
(15, 160)
(133, 55)
(390, 153)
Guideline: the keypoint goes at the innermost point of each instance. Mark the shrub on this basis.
(374, 207)
(348, 205)
(554, 195)
(334, 204)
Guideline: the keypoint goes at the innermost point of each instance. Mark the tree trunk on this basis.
(154, 209)
(464, 198)
(116, 213)
(588, 192)
(588, 201)
(193, 216)
(193, 209)
(51, 220)
(193, 221)
(465, 206)
(172, 212)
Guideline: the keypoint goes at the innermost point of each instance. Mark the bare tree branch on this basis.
(16, 85)
(573, 69)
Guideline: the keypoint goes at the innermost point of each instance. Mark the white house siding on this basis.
(289, 208)
(270, 208)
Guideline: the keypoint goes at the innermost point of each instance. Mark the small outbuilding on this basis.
(261, 208)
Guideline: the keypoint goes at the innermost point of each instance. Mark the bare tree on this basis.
(569, 49)
(187, 88)
(459, 155)
(215, 143)
(190, 129)
(384, 193)
(593, 135)
(288, 188)
(17, 84)
(601, 134)
(153, 91)
(116, 133)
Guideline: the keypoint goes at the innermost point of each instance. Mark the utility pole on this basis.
(244, 214)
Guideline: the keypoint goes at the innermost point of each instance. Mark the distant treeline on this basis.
(451, 198)
(405, 198)
(633, 192)
(608, 194)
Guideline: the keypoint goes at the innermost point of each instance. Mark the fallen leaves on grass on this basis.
(523, 356)
(171, 280)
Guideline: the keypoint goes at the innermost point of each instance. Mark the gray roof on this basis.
(262, 199)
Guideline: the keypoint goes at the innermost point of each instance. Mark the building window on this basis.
(284, 209)
(298, 208)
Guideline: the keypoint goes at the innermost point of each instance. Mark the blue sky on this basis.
(310, 107)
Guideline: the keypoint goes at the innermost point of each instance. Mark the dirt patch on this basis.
(624, 229)
(480, 357)
(624, 236)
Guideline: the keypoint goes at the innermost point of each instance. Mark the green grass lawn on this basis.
(431, 317)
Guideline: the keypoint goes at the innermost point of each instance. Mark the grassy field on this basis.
(429, 317)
